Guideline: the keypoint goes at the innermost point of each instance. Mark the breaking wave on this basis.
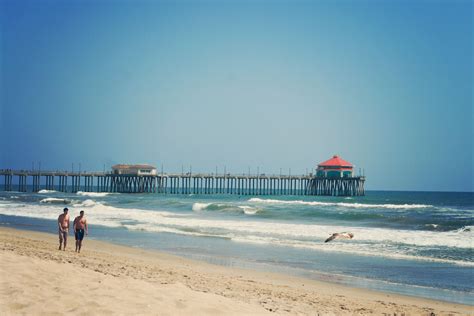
(93, 194)
(353, 205)
(197, 207)
(248, 210)
(46, 191)
(88, 203)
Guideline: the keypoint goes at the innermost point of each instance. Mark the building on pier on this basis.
(336, 167)
(134, 170)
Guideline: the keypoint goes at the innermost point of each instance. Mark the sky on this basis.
(242, 85)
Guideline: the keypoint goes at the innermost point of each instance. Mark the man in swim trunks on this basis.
(80, 227)
(63, 228)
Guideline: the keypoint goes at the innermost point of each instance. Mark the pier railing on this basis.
(181, 183)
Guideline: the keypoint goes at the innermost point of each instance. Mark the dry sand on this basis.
(38, 279)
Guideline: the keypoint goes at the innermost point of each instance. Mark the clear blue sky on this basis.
(270, 84)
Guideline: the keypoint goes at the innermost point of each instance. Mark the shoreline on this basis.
(173, 285)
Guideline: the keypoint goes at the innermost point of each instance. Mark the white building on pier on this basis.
(135, 170)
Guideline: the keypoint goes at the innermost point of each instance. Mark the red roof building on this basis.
(336, 167)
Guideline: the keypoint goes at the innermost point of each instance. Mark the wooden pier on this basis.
(188, 183)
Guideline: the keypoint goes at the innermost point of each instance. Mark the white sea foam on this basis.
(119, 215)
(353, 205)
(55, 201)
(465, 229)
(46, 191)
(164, 229)
(350, 248)
(87, 203)
(394, 243)
(93, 194)
(105, 214)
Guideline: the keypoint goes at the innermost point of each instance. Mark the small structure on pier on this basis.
(336, 167)
(134, 170)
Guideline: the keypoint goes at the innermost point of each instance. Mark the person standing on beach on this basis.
(63, 228)
(80, 227)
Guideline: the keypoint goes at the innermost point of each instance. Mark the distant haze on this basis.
(387, 85)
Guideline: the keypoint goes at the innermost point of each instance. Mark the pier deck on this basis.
(185, 183)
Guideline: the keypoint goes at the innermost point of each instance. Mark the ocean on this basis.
(413, 243)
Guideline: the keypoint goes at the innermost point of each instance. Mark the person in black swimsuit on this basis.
(80, 228)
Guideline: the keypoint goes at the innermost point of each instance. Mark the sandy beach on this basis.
(107, 279)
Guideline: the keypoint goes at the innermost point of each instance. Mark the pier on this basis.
(185, 183)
